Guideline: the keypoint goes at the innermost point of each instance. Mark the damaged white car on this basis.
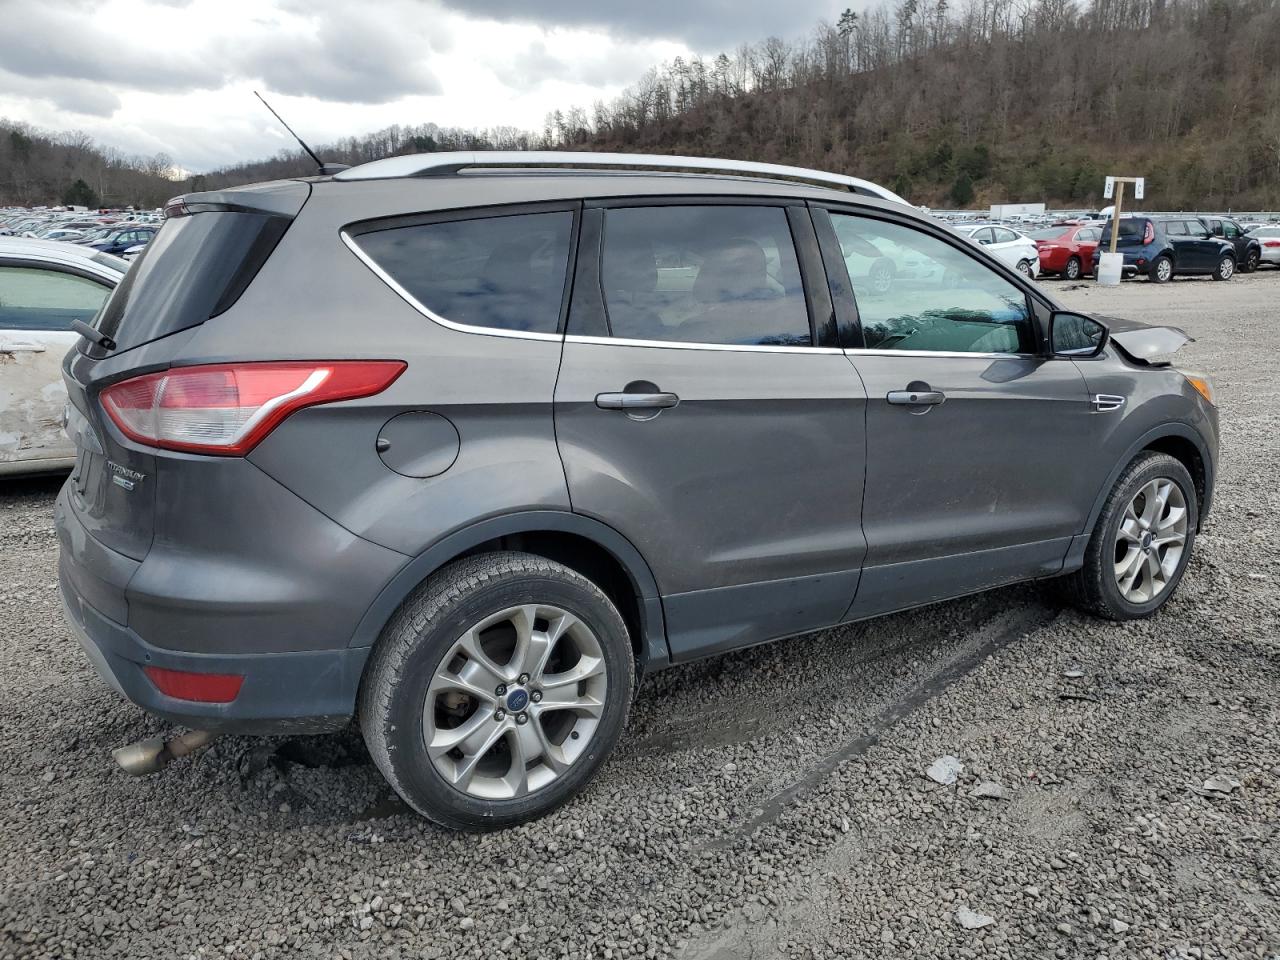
(44, 286)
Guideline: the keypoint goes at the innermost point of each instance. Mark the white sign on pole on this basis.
(1109, 190)
(1138, 185)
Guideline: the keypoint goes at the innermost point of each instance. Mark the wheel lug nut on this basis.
(502, 690)
(500, 715)
(522, 718)
(524, 678)
(536, 696)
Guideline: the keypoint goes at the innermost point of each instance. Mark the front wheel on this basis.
(497, 691)
(1226, 268)
(1141, 543)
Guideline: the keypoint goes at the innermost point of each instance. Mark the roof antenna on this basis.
(325, 168)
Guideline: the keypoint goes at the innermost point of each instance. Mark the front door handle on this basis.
(636, 401)
(916, 398)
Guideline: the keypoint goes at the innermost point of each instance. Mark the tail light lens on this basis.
(228, 408)
(198, 687)
(1149, 232)
(1271, 243)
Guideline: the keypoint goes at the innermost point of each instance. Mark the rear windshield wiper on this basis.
(96, 337)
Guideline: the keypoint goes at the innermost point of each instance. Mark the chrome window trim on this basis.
(431, 314)
(872, 352)
(695, 345)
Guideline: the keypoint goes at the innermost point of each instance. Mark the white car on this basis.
(1014, 248)
(1269, 237)
(44, 285)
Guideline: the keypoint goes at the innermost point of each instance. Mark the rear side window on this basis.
(713, 274)
(505, 273)
(38, 299)
(1175, 228)
(195, 268)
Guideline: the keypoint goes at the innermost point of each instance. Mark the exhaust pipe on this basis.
(154, 754)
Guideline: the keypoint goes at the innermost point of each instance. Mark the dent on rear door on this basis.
(33, 396)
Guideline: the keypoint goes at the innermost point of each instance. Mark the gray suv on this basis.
(465, 444)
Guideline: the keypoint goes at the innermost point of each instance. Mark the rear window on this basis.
(504, 273)
(1049, 233)
(1129, 230)
(195, 268)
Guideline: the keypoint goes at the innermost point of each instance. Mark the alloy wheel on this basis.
(515, 702)
(1227, 268)
(1150, 541)
(1024, 268)
(1164, 270)
(1073, 269)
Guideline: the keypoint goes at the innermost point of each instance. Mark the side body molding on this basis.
(654, 653)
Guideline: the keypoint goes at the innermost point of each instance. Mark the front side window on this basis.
(1197, 229)
(1230, 230)
(714, 274)
(506, 272)
(936, 297)
(35, 299)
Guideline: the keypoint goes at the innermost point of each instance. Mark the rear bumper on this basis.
(302, 692)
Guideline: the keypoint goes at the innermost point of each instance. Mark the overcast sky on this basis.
(177, 75)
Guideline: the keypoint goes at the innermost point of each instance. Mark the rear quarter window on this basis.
(503, 272)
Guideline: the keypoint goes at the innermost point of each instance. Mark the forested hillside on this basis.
(995, 100)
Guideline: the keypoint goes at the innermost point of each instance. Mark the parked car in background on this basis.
(44, 285)
(1248, 250)
(66, 236)
(1066, 249)
(1268, 237)
(120, 237)
(466, 461)
(1014, 248)
(1161, 248)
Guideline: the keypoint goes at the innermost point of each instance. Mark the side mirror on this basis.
(1075, 335)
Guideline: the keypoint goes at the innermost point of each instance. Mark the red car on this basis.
(1066, 249)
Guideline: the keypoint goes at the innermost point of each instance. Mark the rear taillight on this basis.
(1149, 232)
(199, 687)
(227, 408)
(1271, 243)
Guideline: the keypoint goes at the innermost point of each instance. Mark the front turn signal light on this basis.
(1203, 385)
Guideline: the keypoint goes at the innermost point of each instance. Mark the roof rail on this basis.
(440, 164)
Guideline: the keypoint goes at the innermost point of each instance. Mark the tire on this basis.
(1226, 268)
(1024, 268)
(881, 276)
(1096, 587)
(1251, 261)
(1073, 269)
(423, 646)
(1161, 269)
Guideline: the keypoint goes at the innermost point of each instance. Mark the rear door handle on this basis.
(636, 401)
(915, 398)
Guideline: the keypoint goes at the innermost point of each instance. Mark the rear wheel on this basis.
(1161, 269)
(1072, 271)
(1141, 543)
(1226, 268)
(1251, 261)
(1024, 268)
(497, 691)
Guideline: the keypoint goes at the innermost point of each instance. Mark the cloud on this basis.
(73, 96)
(41, 41)
(707, 25)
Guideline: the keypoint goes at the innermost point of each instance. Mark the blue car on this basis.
(1161, 248)
(119, 238)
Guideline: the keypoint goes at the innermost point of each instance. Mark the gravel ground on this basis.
(770, 803)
